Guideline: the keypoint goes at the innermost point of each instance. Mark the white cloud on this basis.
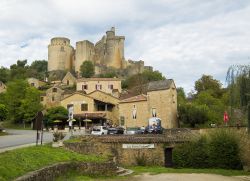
(182, 39)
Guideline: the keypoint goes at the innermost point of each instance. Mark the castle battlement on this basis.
(107, 52)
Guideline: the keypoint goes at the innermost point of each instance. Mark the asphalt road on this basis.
(24, 137)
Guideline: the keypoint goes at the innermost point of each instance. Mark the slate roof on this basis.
(137, 98)
(151, 86)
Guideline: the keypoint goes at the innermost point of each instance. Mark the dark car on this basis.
(153, 130)
(117, 130)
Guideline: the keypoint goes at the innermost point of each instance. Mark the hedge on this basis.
(219, 149)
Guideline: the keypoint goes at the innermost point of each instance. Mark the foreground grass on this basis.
(20, 161)
(158, 170)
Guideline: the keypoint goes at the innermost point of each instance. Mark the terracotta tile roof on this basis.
(137, 98)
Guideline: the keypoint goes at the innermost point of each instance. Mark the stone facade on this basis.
(160, 101)
(97, 106)
(35, 82)
(115, 146)
(107, 52)
(69, 79)
(106, 85)
(3, 87)
(51, 172)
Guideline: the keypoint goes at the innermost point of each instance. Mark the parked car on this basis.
(133, 131)
(99, 130)
(117, 130)
(153, 130)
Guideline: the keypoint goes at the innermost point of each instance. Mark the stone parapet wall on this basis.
(51, 172)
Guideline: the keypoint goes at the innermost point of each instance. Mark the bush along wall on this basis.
(219, 149)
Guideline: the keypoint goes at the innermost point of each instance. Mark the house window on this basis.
(84, 87)
(53, 98)
(67, 82)
(84, 107)
(110, 86)
(134, 111)
(54, 90)
(41, 98)
(98, 87)
(153, 112)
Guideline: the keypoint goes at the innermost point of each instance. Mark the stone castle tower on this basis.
(107, 52)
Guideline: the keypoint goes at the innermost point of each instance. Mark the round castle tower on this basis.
(60, 54)
(114, 49)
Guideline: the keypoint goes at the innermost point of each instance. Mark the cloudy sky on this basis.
(182, 39)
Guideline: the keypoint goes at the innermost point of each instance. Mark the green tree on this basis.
(87, 69)
(142, 78)
(14, 95)
(181, 97)
(38, 69)
(56, 113)
(30, 104)
(193, 114)
(3, 112)
(206, 82)
(4, 74)
(19, 70)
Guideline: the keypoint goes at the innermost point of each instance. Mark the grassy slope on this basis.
(20, 161)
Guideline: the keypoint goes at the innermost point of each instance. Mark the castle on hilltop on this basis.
(106, 53)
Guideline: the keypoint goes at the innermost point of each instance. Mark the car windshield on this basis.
(97, 129)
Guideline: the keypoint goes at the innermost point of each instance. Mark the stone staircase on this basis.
(123, 171)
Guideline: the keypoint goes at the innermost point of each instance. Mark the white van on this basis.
(99, 130)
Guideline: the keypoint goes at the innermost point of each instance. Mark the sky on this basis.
(181, 39)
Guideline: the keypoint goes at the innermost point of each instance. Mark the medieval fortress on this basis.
(104, 54)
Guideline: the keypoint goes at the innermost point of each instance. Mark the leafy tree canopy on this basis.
(87, 69)
(3, 112)
(193, 114)
(207, 82)
(142, 78)
(4, 74)
(57, 113)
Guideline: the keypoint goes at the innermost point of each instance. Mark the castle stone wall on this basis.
(85, 50)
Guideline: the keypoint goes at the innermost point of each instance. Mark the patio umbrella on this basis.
(87, 121)
(57, 121)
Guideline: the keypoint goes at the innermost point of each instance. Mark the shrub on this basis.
(218, 149)
(192, 154)
(224, 150)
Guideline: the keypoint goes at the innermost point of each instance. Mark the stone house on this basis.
(3, 87)
(35, 82)
(107, 85)
(159, 99)
(97, 106)
(69, 79)
(53, 96)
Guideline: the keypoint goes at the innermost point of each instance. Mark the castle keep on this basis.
(106, 53)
